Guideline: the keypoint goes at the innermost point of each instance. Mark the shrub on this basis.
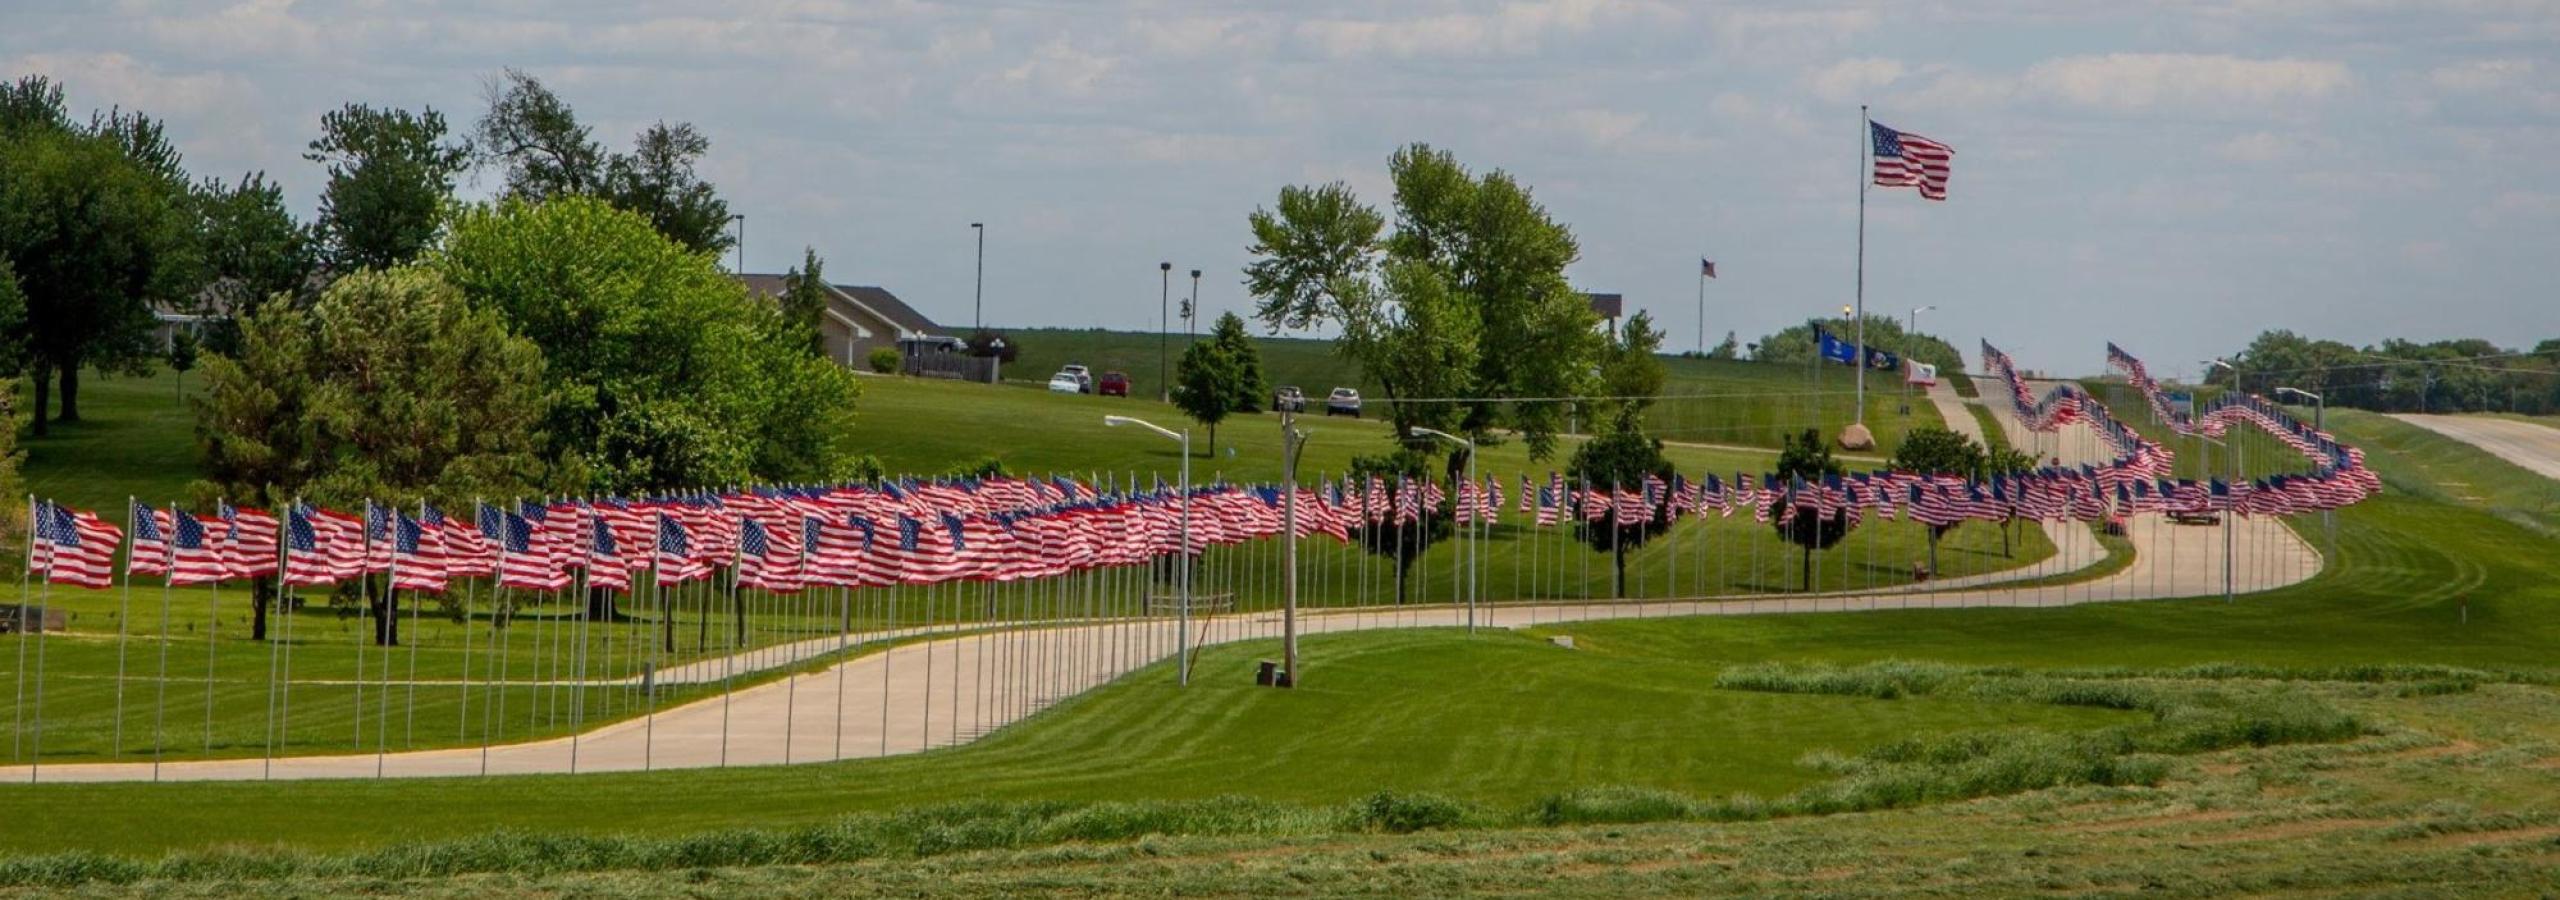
(1396, 813)
(885, 360)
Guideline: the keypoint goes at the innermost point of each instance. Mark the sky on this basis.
(2173, 176)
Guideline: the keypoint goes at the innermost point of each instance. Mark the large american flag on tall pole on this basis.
(1904, 159)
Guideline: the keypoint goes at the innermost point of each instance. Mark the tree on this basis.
(1402, 541)
(1416, 338)
(1248, 388)
(804, 301)
(1631, 373)
(389, 387)
(667, 372)
(251, 248)
(1622, 458)
(1807, 457)
(1479, 244)
(1937, 450)
(535, 137)
(657, 180)
(390, 172)
(182, 357)
(1206, 381)
(1729, 349)
(532, 135)
(94, 221)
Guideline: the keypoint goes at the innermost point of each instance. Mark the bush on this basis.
(885, 360)
(1396, 813)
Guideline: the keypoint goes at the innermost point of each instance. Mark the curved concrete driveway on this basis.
(2535, 447)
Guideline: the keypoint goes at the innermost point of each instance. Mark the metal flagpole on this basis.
(160, 704)
(1866, 159)
(124, 616)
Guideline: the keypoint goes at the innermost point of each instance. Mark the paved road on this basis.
(937, 693)
(2535, 447)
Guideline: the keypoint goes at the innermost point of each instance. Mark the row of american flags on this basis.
(925, 532)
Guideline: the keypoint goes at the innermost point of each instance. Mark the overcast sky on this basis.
(2171, 176)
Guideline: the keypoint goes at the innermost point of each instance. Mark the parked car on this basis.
(1288, 399)
(1083, 377)
(1066, 383)
(1342, 402)
(1113, 384)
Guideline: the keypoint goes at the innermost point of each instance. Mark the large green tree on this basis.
(1481, 242)
(1631, 373)
(533, 135)
(390, 174)
(389, 387)
(95, 219)
(669, 374)
(251, 247)
(1621, 458)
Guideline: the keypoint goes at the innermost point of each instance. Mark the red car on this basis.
(1113, 384)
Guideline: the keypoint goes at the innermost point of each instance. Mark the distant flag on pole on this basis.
(1706, 267)
(1904, 159)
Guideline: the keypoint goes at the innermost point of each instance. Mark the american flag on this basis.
(377, 537)
(764, 562)
(150, 552)
(830, 552)
(1904, 159)
(468, 551)
(247, 540)
(75, 547)
(322, 547)
(417, 555)
(193, 558)
(523, 560)
(677, 562)
(606, 568)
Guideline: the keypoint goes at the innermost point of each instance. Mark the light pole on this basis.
(1182, 575)
(1191, 316)
(1292, 441)
(2319, 413)
(1164, 333)
(981, 228)
(1912, 329)
(2239, 468)
(1470, 545)
(740, 219)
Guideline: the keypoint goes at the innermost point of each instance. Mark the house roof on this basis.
(877, 300)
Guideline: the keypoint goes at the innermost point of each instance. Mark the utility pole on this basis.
(1164, 334)
(1191, 312)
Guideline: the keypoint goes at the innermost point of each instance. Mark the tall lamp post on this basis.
(2319, 413)
(1182, 575)
(1191, 314)
(2232, 448)
(740, 220)
(1164, 333)
(981, 228)
(1470, 545)
(1292, 442)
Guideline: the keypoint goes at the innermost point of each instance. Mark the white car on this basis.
(1063, 383)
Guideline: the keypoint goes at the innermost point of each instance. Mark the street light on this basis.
(981, 228)
(1182, 575)
(1164, 333)
(1191, 312)
(2239, 469)
(1292, 441)
(741, 220)
(1471, 555)
(1914, 327)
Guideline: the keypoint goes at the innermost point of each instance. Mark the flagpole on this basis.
(1866, 137)
(1702, 306)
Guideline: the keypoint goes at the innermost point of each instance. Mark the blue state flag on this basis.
(1882, 361)
(1839, 351)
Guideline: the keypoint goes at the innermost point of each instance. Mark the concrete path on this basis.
(938, 693)
(2535, 447)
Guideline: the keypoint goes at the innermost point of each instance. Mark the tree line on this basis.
(574, 335)
(2395, 375)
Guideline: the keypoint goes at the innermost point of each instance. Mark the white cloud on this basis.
(2129, 82)
(1850, 79)
(1791, 32)
(1513, 28)
(1060, 69)
(2481, 75)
